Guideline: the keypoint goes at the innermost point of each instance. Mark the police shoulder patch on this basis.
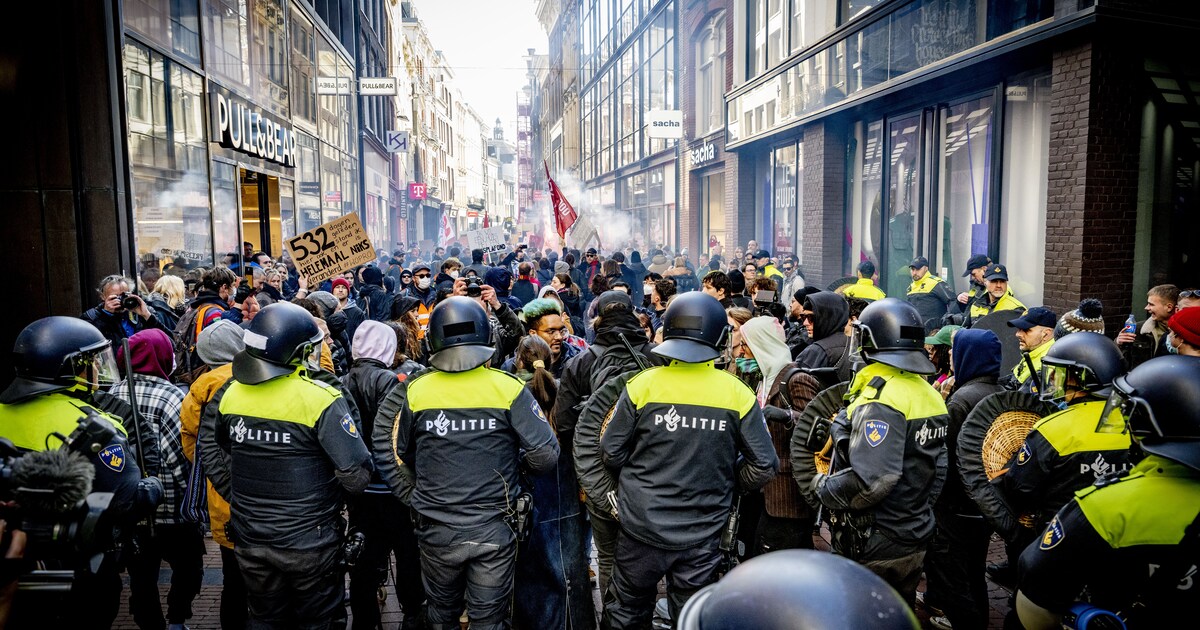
(1053, 535)
(1024, 454)
(875, 431)
(348, 426)
(537, 410)
(113, 457)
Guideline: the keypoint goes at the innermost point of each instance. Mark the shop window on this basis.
(1023, 185)
(865, 200)
(963, 225)
(851, 9)
(168, 159)
(710, 75)
(904, 186)
(228, 39)
(226, 195)
(712, 204)
(172, 24)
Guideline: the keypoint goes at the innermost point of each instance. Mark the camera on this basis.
(130, 301)
(474, 286)
(51, 494)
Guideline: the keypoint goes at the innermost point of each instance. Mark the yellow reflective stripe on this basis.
(294, 398)
(690, 384)
(1073, 430)
(1153, 505)
(480, 388)
(28, 423)
(903, 391)
(865, 289)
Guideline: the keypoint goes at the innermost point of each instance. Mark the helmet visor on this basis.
(1054, 383)
(1127, 413)
(97, 367)
(860, 339)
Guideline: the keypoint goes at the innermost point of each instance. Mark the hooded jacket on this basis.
(977, 368)
(659, 264)
(369, 379)
(828, 346)
(163, 312)
(375, 302)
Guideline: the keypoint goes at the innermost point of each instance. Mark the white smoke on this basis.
(613, 226)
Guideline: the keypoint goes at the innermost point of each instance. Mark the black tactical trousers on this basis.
(388, 528)
(954, 569)
(776, 533)
(605, 532)
(898, 564)
(639, 567)
(472, 566)
(294, 589)
(182, 546)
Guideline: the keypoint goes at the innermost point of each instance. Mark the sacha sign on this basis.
(241, 126)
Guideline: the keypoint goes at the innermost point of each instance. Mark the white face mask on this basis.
(454, 274)
(647, 288)
(423, 283)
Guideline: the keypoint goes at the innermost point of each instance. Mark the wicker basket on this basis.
(1003, 438)
(824, 458)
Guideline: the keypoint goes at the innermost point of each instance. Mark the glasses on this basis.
(421, 275)
(808, 317)
(1190, 293)
(554, 332)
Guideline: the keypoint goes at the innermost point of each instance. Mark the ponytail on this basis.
(532, 355)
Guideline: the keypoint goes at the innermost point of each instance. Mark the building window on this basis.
(810, 21)
(964, 220)
(712, 211)
(786, 186)
(172, 24)
(710, 75)
(865, 201)
(228, 39)
(1023, 185)
(304, 70)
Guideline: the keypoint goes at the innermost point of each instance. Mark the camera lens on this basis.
(130, 302)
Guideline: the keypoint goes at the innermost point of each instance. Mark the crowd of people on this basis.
(468, 429)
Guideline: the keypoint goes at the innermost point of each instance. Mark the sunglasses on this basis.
(1190, 293)
(421, 275)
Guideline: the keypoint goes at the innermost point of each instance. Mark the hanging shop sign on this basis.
(246, 128)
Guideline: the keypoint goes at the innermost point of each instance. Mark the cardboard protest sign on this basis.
(330, 249)
(490, 239)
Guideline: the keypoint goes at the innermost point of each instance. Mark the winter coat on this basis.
(269, 295)
(977, 359)
(659, 264)
(375, 302)
(828, 347)
(168, 317)
(118, 326)
(524, 291)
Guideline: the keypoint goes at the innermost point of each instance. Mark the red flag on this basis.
(486, 220)
(564, 214)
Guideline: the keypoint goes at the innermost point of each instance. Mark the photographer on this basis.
(766, 299)
(60, 362)
(505, 324)
(120, 313)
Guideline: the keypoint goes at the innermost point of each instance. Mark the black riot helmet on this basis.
(891, 331)
(1089, 359)
(798, 589)
(695, 328)
(57, 353)
(1156, 403)
(279, 339)
(460, 335)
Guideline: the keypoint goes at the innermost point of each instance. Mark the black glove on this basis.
(244, 291)
(149, 492)
(777, 415)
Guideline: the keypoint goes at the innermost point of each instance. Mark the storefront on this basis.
(245, 149)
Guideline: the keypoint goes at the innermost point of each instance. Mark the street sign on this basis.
(488, 239)
(397, 141)
(377, 86)
(664, 123)
(417, 191)
(329, 249)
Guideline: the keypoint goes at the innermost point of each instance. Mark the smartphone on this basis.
(764, 297)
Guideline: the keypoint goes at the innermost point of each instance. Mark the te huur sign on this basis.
(246, 128)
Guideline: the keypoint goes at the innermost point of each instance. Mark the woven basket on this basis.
(1003, 438)
(824, 459)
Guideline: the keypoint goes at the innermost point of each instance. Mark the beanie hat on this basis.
(1186, 325)
(1088, 317)
(342, 282)
(219, 341)
(374, 340)
(372, 275)
(325, 301)
(561, 267)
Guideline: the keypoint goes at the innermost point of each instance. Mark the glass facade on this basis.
(190, 193)
(786, 184)
(1023, 184)
(712, 211)
(909, 36)
(710, 76)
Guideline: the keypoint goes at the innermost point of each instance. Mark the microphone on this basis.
(52, 482)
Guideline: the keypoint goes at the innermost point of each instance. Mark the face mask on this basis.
(1171, 348)
(454, 274)
(647, 288)
(423, 283)
(746, 365)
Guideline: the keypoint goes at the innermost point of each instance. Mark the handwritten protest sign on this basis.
(489, 239)
(330, 249)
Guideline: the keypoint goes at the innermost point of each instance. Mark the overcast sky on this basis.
(485, 42)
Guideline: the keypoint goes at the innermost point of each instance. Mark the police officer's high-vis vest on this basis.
(286, 437)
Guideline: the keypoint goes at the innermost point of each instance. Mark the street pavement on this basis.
(206, 608)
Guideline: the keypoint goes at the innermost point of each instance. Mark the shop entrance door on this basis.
(261, 226)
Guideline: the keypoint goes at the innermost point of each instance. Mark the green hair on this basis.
(539, 308)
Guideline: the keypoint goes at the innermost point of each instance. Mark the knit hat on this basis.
(372, 275)
(218, 342)
(1088, 317)
(1186, 325)
(326, 301)
(342, 282)
(150, 352)
(561, 267)
(374, 340)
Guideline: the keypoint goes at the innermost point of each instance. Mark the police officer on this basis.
(1123, 539)
(865, 287)
(997, 296)
(60, 362)
(931, 296)
(1035, 332)
(889, 453)
(281, 447)
(681, 438)
(449, 443)
(798, 588)
(1064, 452)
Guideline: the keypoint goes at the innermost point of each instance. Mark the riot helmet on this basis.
(1156, 403)
(1083, 362)
(798, 588)
(890, 331)
(279, 339)
(695, 328)
(460, 335)
(57, 353)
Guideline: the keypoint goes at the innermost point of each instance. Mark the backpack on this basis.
(188, 366)
(612, 361)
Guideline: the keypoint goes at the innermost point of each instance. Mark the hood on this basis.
(219, 342)
(635, 257)
(403, 304)
(976, 353)
(658, 260)
(374, 340)
(150, 352)
(765, 337)
(612, 327)
(830, 314)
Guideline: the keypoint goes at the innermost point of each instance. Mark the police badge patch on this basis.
(113, 457)
(1054, 535)
(1024, 454)
(875, 431)
(348, 426)
(537, 411)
